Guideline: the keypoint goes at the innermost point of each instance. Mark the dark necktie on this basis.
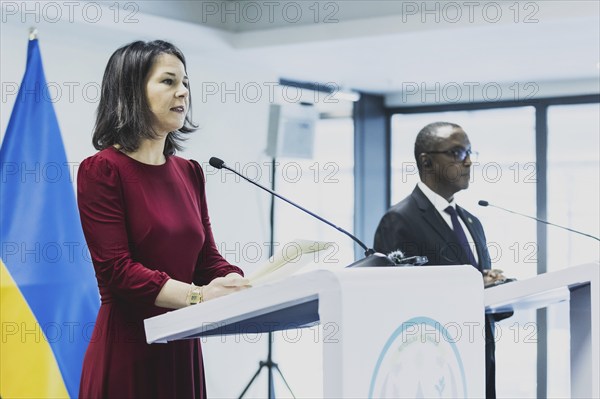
(460, 235)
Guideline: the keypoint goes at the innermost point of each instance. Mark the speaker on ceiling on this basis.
(291, 130)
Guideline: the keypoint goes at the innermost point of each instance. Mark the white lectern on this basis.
(387, 332)
(580, 286)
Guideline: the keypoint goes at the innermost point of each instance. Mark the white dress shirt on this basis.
(440, 203)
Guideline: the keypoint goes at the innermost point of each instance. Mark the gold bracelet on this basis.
(195, 294)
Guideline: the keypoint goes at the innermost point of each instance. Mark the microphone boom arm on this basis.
(368, 251)
(485, 203)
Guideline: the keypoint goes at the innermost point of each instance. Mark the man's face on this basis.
(450, 172)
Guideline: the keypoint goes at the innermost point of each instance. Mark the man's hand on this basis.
(493, 277)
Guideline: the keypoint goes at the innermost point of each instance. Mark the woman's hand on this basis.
(225, 285)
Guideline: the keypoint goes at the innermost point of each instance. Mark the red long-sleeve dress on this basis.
(143, 225)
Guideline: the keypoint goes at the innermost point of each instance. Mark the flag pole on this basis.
(33, 33)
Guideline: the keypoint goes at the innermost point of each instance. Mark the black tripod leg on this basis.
(271, 382)
(262, 364)
(276, 367)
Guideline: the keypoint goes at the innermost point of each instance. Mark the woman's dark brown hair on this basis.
(123, 115)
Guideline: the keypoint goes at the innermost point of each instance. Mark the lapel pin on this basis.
(470, 220)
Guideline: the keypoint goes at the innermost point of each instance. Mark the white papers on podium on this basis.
(292, 257)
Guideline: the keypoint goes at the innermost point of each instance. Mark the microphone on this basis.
(372, 258)
(485, 203)
(399, 259)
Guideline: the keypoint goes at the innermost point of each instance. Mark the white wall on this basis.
(75, 54)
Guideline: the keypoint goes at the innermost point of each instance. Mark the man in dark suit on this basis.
(429, 223)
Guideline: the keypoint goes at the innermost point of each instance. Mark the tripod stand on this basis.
(269, 363)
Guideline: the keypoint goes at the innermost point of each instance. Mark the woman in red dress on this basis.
(145, 219)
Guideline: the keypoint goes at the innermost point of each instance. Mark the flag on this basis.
(49, 299)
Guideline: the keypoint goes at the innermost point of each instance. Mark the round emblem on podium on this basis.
(419, 360)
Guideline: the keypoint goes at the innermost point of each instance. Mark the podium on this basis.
(386, 332)
(580, 286)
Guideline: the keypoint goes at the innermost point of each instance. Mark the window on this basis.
(573, 197)
(573, 183)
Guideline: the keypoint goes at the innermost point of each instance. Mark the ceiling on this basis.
(251, 15)
(386, 46)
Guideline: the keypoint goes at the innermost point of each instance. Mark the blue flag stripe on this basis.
(42, 242)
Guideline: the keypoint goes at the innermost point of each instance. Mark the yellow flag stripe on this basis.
(28, 368)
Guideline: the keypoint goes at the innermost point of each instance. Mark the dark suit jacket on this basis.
(416, 228)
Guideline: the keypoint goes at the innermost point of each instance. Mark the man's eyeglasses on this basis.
(459, 154)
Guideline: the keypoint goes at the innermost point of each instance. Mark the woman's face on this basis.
(167, 93)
